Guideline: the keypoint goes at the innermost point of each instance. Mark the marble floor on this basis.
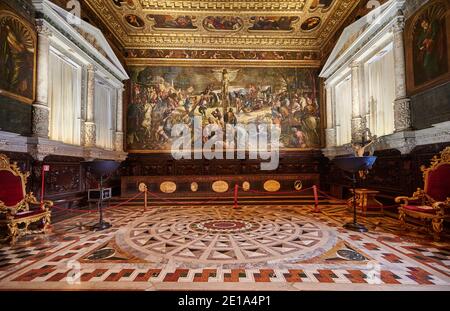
(268, 247)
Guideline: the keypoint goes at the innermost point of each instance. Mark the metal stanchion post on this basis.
(316, 200)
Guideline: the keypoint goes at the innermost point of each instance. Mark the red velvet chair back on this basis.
(437, 184)
(11, 188)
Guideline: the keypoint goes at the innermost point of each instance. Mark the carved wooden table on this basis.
(366, 203)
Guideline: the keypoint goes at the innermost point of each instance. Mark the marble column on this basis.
(41, 110)
(330, 132)
(119, 121)
(89, 125)
(402, 111)
(356, 108)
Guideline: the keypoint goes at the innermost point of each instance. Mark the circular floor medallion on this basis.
(220, 235)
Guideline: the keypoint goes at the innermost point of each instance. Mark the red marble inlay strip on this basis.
(234, 275)
(205, 275)
(35, 273)
(96, 273)
(264, 275)
(144, 277)
(173, 277)
(356, 276)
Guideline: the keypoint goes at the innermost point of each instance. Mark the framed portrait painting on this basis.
(17, 58)
(428, 46)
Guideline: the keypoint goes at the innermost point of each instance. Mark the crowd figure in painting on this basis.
(157, 106)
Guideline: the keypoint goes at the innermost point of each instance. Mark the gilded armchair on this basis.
(20, 212)
(432, 204)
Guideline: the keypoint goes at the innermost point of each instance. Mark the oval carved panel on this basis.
(168, 187)
(272, 186)
(220, 186)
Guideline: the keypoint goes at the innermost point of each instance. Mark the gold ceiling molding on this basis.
(142, 24)
(222, 62)
(226, 5)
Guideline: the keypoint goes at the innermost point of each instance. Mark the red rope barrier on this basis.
(236, 190)
(316, 200)
(183, 203)
(276, 192)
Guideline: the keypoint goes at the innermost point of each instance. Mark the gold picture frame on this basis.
(21, 40)
(426, 41)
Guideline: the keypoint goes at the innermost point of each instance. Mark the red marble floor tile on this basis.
(114, 277)
(388, 277)
(96, 273)
(294, 276)
(356, 276)
(264, 275)
(420, 276)
(234, 275)
(205, 275)
(371, 246)
(61, 257)
(392, 258)
(144, 277)
(173, 277)
(35, 273)
(355, 237)
(325, 276)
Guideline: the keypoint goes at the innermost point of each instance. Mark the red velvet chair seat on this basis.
(11, 190)
(422, 209)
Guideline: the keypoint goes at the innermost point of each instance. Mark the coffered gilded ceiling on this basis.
(301, 26)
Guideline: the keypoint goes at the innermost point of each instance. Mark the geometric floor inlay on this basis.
(217, 247)
(220, 236)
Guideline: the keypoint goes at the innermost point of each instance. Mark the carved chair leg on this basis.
(402, 218)
(13, 232)
(47, 224)
(438, 227)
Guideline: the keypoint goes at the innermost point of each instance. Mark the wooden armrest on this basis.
(45, 206)
(405, 200)
(441, 205)
(418, 195)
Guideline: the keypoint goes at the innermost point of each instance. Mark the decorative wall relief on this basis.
(272, 186)
(164, 96)
(311, 23)
(221, 54)
(272, 23)
(173, 22)
(427, 46)
(223, 23)
(324, 4)
(134, 21)
(168, 187)
(17, 58)
(122, 3)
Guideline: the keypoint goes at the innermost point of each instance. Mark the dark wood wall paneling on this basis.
(165, 165)
(393, 174)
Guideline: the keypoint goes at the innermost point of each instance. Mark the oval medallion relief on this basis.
(220, 186)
